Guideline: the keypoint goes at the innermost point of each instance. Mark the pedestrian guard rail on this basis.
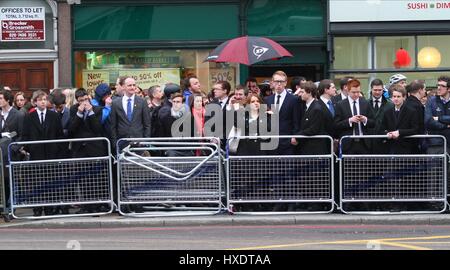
(170, 176)
(393, 183)
(3, 209)
(61, 187)
(277, 184)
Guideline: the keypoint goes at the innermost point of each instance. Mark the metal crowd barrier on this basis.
(169, 176)
(2, 186)
(393, 184)
(281, 184)
(80, 186)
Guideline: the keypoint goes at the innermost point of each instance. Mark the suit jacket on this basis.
(313, 123)
(336, 99)
(13, 123)
(328, 118)
(227, 115)
(342, 126)
(406, 124)
(121, 127)
(378, 115)
(289, 118)
(89, 127)
(52, 129)
(418, 107)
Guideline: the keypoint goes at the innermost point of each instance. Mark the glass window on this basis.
(430, 78)
(351, 53)
(386, 49)
(287, 18)
(150, 67)
(156, 22)
(433, 51)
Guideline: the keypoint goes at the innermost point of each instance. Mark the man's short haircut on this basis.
(324, 84)
(310, 88)
(250, 79)
(122, 80)
(343, 82)
(38, 94)
(8, 96)
(80, 92)
(398, 88)
(225, 86)
(296, 81)
(152, 90)
(376, 82)
(353, 83)
(415, 86)
(187, 81)
(176, 95)
(445, 79)
(280, 73)
(57, 97)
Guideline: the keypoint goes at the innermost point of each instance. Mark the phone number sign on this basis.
(22, 24)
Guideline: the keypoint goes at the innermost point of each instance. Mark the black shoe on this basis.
(37, 211)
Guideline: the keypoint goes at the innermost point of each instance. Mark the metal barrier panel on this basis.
(61, 187)
(373, 184)
(2, 185)
(280, 184)
(152, 186)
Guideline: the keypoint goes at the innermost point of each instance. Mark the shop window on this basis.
(351, 53)
(433, 51)
(386, 49)
(150, 67)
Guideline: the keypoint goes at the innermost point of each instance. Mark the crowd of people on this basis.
(395, 110)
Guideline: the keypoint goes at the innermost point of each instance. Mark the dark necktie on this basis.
(397, 115)
(42, 118)
(277, 104)
(355, 112)
(129, 111)
(330, 107)
(377, 105)
(2, 118)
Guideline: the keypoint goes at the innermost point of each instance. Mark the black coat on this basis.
(89, 127)
(407, 125)
(52, 129)
(314, 123)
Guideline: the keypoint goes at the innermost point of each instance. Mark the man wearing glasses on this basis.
(437, 116)
(288, 108)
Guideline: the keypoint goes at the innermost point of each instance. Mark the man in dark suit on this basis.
(312, 123)
(129, 115)
(85, 122)
(354, 117)
(289, 115)
(42, 124)
(326, 92)
(415, 94)
(221, 91)
(400, 121)
(379, 104)
(343, 92)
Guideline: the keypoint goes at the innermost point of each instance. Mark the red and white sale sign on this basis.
(22, 23)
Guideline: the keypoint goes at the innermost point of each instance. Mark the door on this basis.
(27, 76)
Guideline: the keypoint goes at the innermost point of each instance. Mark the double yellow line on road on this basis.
(384, 241)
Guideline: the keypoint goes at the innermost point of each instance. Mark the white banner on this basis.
(388, 10)
(152, 76)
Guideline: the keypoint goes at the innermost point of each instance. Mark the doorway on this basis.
(27, 76)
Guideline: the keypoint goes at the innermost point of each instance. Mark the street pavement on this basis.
(233, 232)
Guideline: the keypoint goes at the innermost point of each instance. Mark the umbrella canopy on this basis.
(248, 51)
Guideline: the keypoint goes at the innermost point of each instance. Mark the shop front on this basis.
(382, 38)
(158, 42)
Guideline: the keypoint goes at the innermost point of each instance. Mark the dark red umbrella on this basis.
(248, 51)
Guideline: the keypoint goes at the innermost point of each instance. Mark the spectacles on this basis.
(279, 82)
(441, 85)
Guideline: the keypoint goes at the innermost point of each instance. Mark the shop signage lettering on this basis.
(22, 23)
(219, 74)
(388, 10)
(92, 78)
(152, 76)
(131, 60)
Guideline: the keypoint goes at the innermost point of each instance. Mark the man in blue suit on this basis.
(289, 113)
